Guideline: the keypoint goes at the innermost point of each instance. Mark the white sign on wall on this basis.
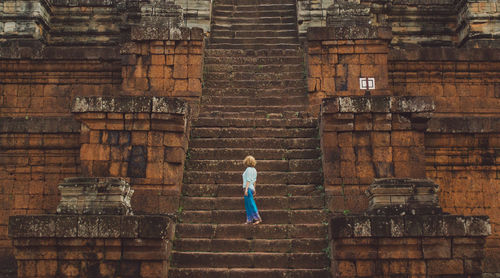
(367, 83)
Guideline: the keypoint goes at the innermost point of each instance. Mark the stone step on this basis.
(252, 53)
(231, 33)
(264, 203)
(254, 132)
(235, 26)
(254, 93)
(249, 19)
(263, 165)
(264, 143)
(249, 101)
(248, 108)
(237, 13)
(255, 45)
(245, 60)
(261, 7)
(231, 190)
(215, 154)
(247, 273)
(250, 260)
(257, 76)
(253, 41)
(230, 177)
(253, 2)
(269, 216)
(303, 245)
(256, 84)
(244, 231)
(260, 116)
(263, 68)
(285, 121)
(252, 101)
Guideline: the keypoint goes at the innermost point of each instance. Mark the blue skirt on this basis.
(251, 208)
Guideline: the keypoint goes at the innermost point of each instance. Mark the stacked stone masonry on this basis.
(92, 246)
(52, 52)
(141, 138)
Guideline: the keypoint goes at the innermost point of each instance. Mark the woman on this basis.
(249, 178)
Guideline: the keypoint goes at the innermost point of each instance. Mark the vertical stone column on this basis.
(163, 58)
(477, 22)
(25, 24)
(338, 57)
(142, 139)
(363, 138)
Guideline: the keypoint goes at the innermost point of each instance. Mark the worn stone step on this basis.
(259, 153)
(258, 76)
(227, 177)
(254, 40)
(254, 93)
(244, 231)
(254, 33)
(259, 61)
(254, 45)
(263, 165)
(261, 7)
(264, 68)
(250, 260)
(253, 2)
(256, 115)
(231, 190)
(256, 84)
(249, 19)
(229, 132)
(248, 26)
(264, 203)
(269, 216)
(286, 11)
(249, 108)
(283, 122)
(303, 245)
(247, 273)
(265, 143)
(262, 101)
(252, 53)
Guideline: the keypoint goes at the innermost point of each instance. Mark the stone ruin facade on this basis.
(103, 104)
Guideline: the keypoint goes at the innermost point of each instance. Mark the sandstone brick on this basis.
(399, 267)
(345, 139)
(194, 85)
(417, 267)
(181, 85)
(346, 268)
(365, 170)
(46, 268)
(437, 248)
(157, 60)
(445, 267)
(180, 70)
(194, 71)
(139, 138)
(365, 268)
(404, 248)
(153, 269)
(315, 70)
(382, 154)
(154, 170)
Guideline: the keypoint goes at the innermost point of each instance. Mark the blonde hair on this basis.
(249, 161)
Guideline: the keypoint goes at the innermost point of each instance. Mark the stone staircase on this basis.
(254, 102)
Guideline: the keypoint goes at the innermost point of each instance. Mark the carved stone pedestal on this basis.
(93, 235)
(405, 233)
